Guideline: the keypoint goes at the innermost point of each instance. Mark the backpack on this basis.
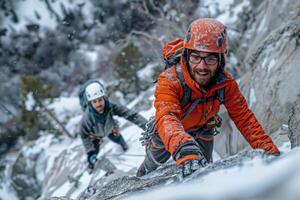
(81, 94)
(171, 53)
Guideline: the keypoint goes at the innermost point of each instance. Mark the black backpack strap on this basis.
(195, 103)
(192, 107)
(220, 95)
(174, 59)
(186, 89)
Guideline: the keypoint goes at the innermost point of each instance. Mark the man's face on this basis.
(99, 104)
(203, 66)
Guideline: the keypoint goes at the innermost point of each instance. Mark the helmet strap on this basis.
(186, 55)
(221, 61)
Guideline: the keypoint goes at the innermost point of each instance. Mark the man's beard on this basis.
(203, 77)
(100, 109)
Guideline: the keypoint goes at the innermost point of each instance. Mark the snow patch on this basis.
(262, 26)
(266, 63)
(33, 11)
(65, 106)
(271, 64)
(147, 72)
(231, 17)
(30, 102)
(93, 56)
(6, 192)
(252, 97)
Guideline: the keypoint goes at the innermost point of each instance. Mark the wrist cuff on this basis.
(185, 158)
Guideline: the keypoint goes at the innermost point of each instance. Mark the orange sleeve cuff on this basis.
(185, 158)
(273, 150)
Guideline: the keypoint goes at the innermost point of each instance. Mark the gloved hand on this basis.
(92, 158)
(190, 166)
(189, 158)
(116, 131)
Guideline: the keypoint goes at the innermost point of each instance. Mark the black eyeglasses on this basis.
(211, 59)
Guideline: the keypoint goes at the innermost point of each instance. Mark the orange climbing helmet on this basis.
(206, 35)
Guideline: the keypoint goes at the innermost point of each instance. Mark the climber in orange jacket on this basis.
(186, 132)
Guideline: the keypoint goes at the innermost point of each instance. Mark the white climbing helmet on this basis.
(94, 91)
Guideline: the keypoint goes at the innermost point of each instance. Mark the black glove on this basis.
(190, 166)
(188, 149)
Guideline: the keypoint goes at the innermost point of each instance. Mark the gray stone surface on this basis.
(23, 176)
(294, 124)
(270, 50)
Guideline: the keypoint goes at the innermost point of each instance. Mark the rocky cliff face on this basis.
(269, 48)
(294, 124)
(23, 175)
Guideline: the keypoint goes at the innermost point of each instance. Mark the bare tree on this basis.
(170, 18)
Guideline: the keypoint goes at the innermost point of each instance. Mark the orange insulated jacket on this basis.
(171, 126)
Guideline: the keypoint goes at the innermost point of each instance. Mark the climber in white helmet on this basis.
(98, 121)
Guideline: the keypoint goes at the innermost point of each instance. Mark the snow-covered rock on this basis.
(271, 65)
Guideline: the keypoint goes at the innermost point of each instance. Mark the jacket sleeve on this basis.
(130, 115)
(167, 103)
(245, 120)
(85, 136)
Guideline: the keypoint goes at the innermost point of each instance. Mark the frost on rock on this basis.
(165, 175)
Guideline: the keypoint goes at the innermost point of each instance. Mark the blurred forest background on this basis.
(48, 48)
